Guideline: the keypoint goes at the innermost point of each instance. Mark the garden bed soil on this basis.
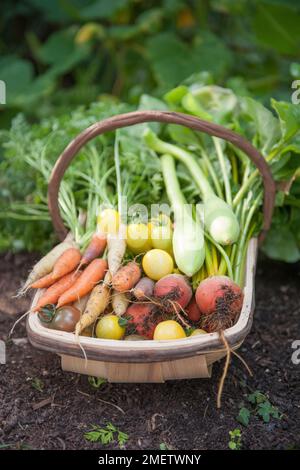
(45, 408)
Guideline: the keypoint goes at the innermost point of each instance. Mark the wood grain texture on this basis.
(152, 372)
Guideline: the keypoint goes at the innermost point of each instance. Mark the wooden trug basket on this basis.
(150, 361)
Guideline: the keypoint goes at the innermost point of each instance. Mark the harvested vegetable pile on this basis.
(170, 262)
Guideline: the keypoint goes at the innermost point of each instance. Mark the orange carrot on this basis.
(127, 277)
(92, 274)
(66, 263)
(95, 248)
(45, 281)
(52, 294)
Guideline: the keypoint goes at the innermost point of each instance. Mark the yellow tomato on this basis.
(108, 221)
(157, 264)
(161, 232)
(138, 238)
(108, 328)
(198, 331)
(169, 329)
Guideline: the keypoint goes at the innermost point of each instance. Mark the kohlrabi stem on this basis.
(223, 253)
(245, 187)
(212, 173)
(243, 237)
(251, 179)
(173, 189)
(185, 157)
(220, 219)
(208, 260)
(234, 167)
(214, 255)
(188, 236)
(222, 270)
(118, 173)
(244, 255)
(222, 163)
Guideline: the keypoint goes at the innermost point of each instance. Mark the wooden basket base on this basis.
(152, 372)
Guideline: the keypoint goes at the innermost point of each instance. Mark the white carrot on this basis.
(116, 249)
(120, 302)
(45, 265)
(96, 304)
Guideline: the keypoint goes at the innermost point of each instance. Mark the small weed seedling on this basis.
(163, 446)
(260, 406)
(106, 435)
(38, 384)
(96, 382)
(235, 442)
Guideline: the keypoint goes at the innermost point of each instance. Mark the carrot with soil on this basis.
(66, 263)
(92, 274)
(52, 294)
(96, 305)
(95, 248)
(126, 277)
(45, 265)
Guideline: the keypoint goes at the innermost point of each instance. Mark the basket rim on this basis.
(61, 342)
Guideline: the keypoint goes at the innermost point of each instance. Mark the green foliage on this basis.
(96, 382)
(260, 406)
(235, 442)
(71, 52)
(106, 435)
(244, 416)
(78, 59)
(37, 384)
(163, 446)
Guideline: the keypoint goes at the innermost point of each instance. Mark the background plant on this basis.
(71, 52)
(79, 59)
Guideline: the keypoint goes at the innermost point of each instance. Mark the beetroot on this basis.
(143, 318)
(220, 301)
(174, 291)
(193, 311)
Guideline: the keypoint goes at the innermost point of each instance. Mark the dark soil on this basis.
(182, 414)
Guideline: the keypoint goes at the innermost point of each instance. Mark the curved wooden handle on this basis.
(137, 117)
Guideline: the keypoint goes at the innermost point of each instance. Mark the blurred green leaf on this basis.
(265, 124)
(11, 69)
(103, 9)
(289, 115)
(170, 59)
(281, 244)
(211, 54)
(276, 26)
(295, 69)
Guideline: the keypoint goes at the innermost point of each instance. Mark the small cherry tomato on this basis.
(138, 238)
(198, 331)
(169, 329)
(161, 232)
(134, 338)
(108, 328)
(157, 264)
(108, 221)
(65, 319)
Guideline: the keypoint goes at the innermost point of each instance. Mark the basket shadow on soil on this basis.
(181, 414)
